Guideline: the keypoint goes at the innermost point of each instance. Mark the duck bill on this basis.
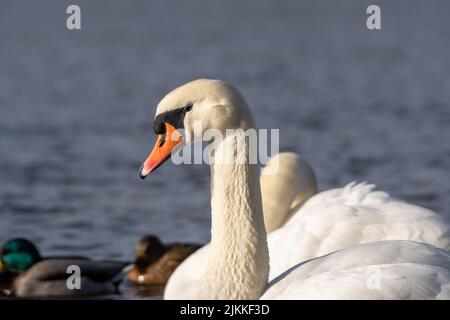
(2, 266)
(165, 143)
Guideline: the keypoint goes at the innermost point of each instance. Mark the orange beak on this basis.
(164, 145)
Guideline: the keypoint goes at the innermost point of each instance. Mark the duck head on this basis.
(189, 111)
(148, 250)
(18, 255)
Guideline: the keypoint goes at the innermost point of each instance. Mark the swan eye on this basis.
(188, 107)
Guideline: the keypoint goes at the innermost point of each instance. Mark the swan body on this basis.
(345, 217)
(376, 270)
(236, 264)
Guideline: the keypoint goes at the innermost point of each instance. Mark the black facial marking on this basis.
(174, 117)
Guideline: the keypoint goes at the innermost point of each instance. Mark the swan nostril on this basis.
(163, 139)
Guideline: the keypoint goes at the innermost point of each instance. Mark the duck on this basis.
(26, 274)
(155, 261)
(328, 247)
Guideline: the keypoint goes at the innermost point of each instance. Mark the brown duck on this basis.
(155, 262)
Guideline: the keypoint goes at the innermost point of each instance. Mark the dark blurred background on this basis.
(77, 107)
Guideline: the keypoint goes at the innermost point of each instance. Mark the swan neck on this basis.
(238, 265)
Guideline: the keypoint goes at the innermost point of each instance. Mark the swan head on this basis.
(190, 113)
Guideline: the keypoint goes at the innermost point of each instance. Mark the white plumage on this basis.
(345, 217)
(376, 270)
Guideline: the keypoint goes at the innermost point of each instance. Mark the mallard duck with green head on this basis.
(24, 273)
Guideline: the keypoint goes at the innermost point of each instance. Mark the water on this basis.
(77, 107)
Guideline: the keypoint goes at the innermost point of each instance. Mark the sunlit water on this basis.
(77, 108)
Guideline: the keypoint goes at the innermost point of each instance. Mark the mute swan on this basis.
(237, 264)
